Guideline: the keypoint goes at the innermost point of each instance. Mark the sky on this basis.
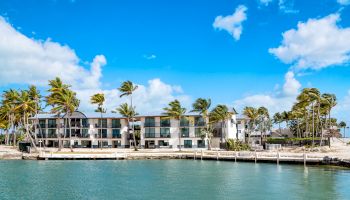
(238, 53)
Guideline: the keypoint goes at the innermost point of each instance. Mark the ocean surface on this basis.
(169, 179)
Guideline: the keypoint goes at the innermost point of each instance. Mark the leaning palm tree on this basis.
(128, 112)
(34, 95)
(252, 114)
(202, 107)
(9, 100)
(127, 89)
(342, 124)
(99, 99)
(277, 119)
(220, 114)
(264, 118)
(175, 111)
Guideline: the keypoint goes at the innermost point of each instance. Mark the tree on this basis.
(127, 89)
(34, 95)
(128, 112)
(202, 107)
(342, 124)
(252, 114)
(220, 114)
(277, 119)
(9, 101)
(99, 99)
(175, 111)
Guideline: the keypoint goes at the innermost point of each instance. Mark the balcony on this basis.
(52, 126)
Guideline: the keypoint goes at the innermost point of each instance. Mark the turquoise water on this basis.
(169, 179)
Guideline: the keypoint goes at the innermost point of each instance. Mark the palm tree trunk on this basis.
(70, 132)
(313, 124)
(132, 121)
(26, 123)
(178, 127)
(58, 132)
(101, 130)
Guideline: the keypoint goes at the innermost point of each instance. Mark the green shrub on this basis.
(236, 145)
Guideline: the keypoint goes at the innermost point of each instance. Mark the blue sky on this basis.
(177, 43)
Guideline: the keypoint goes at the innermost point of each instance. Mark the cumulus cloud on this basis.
(232, 23)
(277, 101)
(150, 57)
(25, 60)
(343, 2)
(315, 44)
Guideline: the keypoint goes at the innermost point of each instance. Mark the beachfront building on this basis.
(90, 130)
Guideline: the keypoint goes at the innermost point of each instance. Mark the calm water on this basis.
(168, 179)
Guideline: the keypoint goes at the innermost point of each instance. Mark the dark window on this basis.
(104, 123)
(85, 132)
(199, 121)
(84, 123)
(51, 123)
(164, 132)
(164, 122)
(198, 132)
(42, 123)
(116, 123)
(200, 143)
(51, 133)
(116, 133)
(184, 121)
(163, 143)
(185, 132)
(150, 132)
(104, 133)
(150, 122)
(188, 143)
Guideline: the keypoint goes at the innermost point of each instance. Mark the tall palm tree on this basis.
(127, 89)
(128, 112)
(10, 98)
(264, 118)
(252, 114)
(34, 95)
(202, 107)
(342, 124)
(277, 119)
(25, 105)
(220, 114)
(99, 99)
(175, 111)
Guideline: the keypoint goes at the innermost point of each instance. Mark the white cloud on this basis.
(265, 2)
(315, 44)
(232, 23)
(25, 60)
(287, 6)
(277, 101)
(343, 2)
(150, 57)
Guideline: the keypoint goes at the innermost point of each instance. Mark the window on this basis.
(42, 123)
(198, 132)
(85, 132)
(188, 143)
(104, 133)
(84, 123)
(116, 123)
(164, 122)
(51, 133)
(41, 134)
(105, 144)
(164, 132)
(116, 133)
(150, 122)
(52, 123)
(199, 121)
(200, 143)
(163, 143)
(184, 122)
(239, 131)
(185, 132)
(150, 132)
(104, 123)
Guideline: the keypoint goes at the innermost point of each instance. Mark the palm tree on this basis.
(35, 96)
(342, 124)
(128, 112)
(202, 107)
(175, 111)
(127, 89)
(220, 114)
(99, 99)
(264, 118)
(277, 118)
(252, 114)
(9, 100)
(25, 105)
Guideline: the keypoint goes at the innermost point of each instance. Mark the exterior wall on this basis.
(230, 131)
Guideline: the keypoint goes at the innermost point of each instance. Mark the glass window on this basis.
(150, 132)
(199, 121)
(84, 123)
(164, 122)
(52, 123)
(104, 123)
(104, 133)
(165, 132)
(185, 132)
(150, 122)
(116, 123)
(184, 121)
(42, 123)
(163, 143)
(116, 133)
(51, 133)
(85, 132)
(188, 143)
(200, 143)
(198, 132)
